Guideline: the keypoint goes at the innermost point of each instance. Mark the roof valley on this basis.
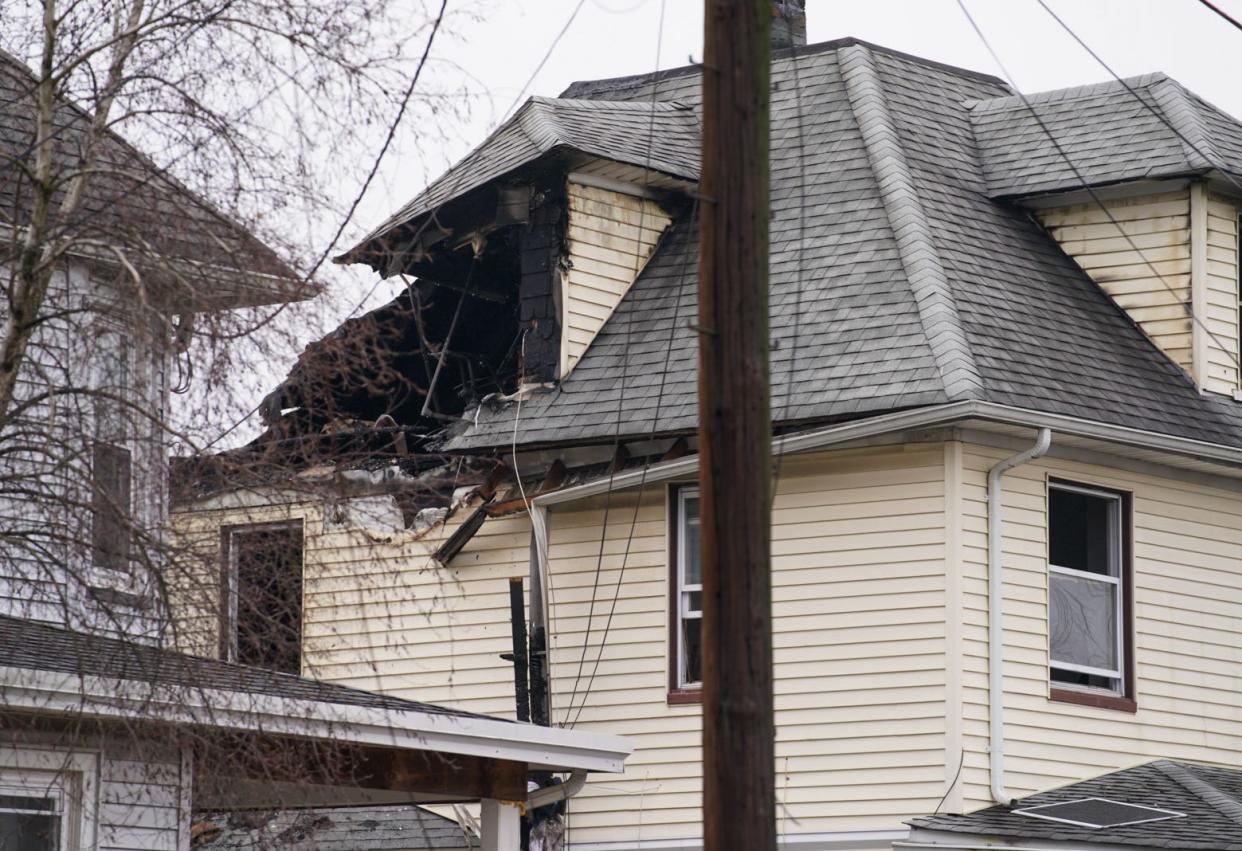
(911, 229)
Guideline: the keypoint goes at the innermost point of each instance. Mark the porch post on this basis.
(501, 825)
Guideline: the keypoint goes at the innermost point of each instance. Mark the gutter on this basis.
(996, 627)
(554, 749)
(939, 415)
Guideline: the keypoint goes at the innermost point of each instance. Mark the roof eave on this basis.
(554, 749)
(917, 418)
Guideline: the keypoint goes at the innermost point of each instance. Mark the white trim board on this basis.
(836, 840)
(103, 697)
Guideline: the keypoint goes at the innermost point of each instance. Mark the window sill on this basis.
(1099, 701)
(685, 697)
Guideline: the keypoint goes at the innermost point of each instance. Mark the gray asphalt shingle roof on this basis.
(896, 280)
(129, 203)
(29, 645)
(662, 136)
(385, 828)
(1106, 134)
(1210, 798)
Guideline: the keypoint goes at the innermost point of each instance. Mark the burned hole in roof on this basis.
(1096, 813)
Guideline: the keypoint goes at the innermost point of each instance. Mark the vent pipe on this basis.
(788, 23)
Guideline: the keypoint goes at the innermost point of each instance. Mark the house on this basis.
(110, 737)
(1006, 522)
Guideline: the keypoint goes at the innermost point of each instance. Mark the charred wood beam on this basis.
(551, 481)
(458, 540)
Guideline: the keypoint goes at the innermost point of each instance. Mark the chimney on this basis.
(788, 23)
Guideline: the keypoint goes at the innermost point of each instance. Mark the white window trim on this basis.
(1116, 503)
(683, 589)
(72, 777)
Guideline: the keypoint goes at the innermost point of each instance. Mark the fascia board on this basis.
(551, 748)
(939, 415)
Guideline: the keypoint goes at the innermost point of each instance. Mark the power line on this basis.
(1155, 112)
(655, 89)
(1222, 13)
(1086, 186)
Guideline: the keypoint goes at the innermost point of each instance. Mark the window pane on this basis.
(692, 574)
(1083, 621)
(111, 476)
(1080, 531)
(28, 832)
(694, 602)
(691, 648)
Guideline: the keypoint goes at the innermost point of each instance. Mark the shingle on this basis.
(662, 136)
(404, 827)
(130, 203)
(33, 646)
(871, 337)
(1209, 797)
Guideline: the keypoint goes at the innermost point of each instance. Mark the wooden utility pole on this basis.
(735, 430)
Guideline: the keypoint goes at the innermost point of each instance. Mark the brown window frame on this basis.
(227, 621)
(1126, 700)
(678, 694)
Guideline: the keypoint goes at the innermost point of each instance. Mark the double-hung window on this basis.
(1087, 624)
(687, 602)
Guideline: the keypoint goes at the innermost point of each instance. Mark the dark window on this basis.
(111, 476)
(1087, 624)
(28, 823)
(263, 622)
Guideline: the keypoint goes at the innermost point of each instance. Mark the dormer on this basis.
(1140, 195)
(523, 250)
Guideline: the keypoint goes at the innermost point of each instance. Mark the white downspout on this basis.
(996, 626)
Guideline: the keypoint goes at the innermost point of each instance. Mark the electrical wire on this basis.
(1086, 186)
(1222, 13)
(1134, 94)
(638, 261)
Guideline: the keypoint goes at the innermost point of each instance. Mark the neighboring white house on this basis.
(111, 738)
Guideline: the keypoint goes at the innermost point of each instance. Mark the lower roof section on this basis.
(1194, 806)
(52, 671)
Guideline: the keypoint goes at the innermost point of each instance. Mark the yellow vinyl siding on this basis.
(1142, 261)
(1187, 628)
(858, 613)
(194, 589)
(384, 617)
(611, 236)
(379, 614)
(1221, 311)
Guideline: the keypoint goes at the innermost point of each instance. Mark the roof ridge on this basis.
(1182, 114)
(646, 105)
(538, 121)
(588, 87)
(1140, 81)
(1184, 777)
(911, 228)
